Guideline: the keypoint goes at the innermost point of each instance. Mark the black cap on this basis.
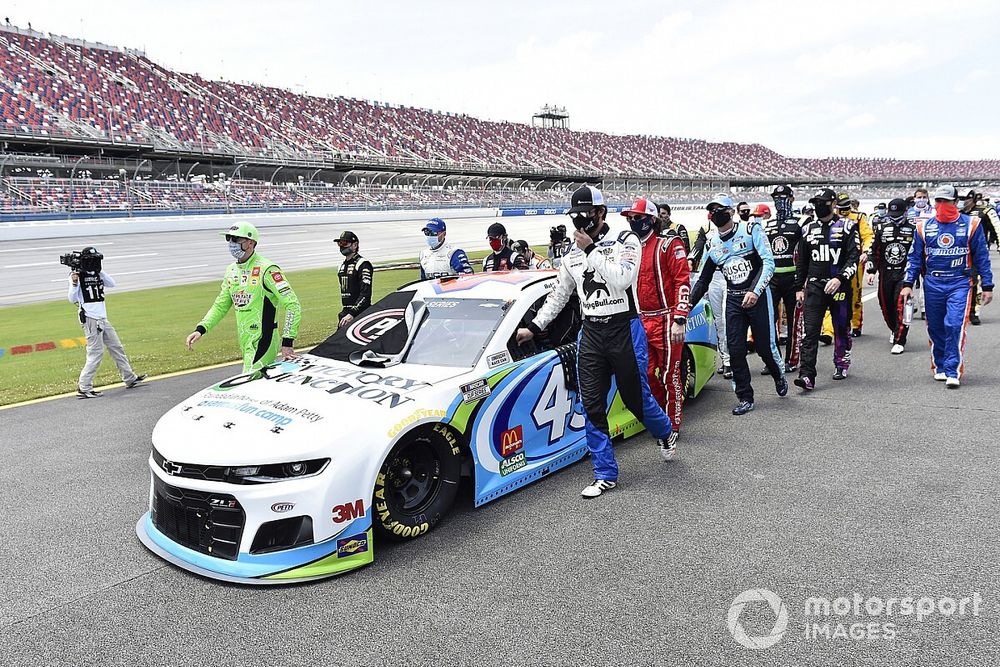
(586, 198)
(521, 246)
(496, 230)
(781, 191)
(90, 251)
(843, 200)
(826, 194)
(969, 194)
(897, 208)
(348, 236)
(881, 204)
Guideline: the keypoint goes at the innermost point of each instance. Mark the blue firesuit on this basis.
(947, 255)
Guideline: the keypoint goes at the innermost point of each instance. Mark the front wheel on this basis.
(417, 485)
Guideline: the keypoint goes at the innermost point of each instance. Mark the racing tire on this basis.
(689, 374)
(417, 485)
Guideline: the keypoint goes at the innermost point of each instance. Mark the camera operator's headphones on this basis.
(90, 259)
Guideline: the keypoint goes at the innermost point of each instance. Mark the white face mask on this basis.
(236, 249)
(920, 202)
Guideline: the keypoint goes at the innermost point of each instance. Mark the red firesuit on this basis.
(663, 290)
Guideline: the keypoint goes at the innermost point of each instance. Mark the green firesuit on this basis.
(256, 288)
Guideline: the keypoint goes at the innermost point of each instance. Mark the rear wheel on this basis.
(689, 375)
(417, 485)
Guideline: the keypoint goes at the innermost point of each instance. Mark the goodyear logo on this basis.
(349, 546)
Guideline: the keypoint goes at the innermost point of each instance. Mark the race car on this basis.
(290, 473)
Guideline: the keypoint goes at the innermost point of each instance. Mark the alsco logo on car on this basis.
(349, 546)
(516, 462)
(511, 441)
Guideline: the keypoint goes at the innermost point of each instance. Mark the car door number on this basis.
(553, 406)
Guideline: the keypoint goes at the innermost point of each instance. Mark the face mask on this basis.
(346, 250)
(584, 223)
(880, 211)
(496, 244)
(236, 249)
(432, 242)
(721, 217)
(822, 208)
(945, 211)
(920, 202)
(744, 215)
(758, 219)
(641, 225)
(783, 208)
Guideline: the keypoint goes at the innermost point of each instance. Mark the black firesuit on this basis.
(890, 247)
(355, 286)
(505, 259)
(784, 236)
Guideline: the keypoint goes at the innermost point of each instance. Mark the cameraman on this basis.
(559, 245)
(86, 289)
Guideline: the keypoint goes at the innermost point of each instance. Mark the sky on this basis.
(867, 78)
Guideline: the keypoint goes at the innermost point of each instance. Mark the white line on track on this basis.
(165, 268)
(47, 247)
(24, 266)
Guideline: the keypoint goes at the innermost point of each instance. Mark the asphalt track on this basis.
(884, 485)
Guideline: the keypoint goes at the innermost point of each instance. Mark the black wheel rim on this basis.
(413, 477)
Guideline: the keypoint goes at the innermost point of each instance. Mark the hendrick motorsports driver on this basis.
(602, 267)
(440, 259)
(256, 288)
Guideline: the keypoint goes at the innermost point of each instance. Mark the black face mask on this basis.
(584, 223)
(721, 217)
(822, 208)
(744, 215)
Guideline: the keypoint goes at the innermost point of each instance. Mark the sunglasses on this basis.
(344, 244)
(635, 217)
(581, 215)
(428, 232)
(234, 239)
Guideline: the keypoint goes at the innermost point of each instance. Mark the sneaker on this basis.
(80, 393)
(896, 349)
(940, 377)
(840, 374)
(597, 488)
(791, 368)
(826, 340)
(855, 333)
(743, 408)
(765, 371)
(136, 381)
(805, 382)
(952, 383)
(668, 446)
(727, 372)
(974, 319)
(720, 370)
(781, 386)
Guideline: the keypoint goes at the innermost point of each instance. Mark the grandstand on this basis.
(154, 139)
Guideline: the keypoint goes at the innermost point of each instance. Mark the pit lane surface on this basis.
(885, 485)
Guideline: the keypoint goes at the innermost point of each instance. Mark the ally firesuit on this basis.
(827, 250)
(663, 290)
(893, 237)
(256, 289)
(784, 236)
(743, 256)
(947, 255)
(864, 247)
(612, 342)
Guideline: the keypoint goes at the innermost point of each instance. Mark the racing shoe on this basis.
(952, 383)
(781, 386)
(840, 374)
(856, 333)
(974, 320)
(720, 370)
(743, 408)
(668, 446)
(765, 371)
(791, 368)
(805, 382)
(940, 377)
(897, 349)
(597, 488)
(826, 340)
(80, 393)
(135, 382)
(727, 372)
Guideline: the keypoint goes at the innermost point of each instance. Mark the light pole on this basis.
(72, 174)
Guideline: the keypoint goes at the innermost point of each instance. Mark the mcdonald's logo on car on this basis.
(511, 441)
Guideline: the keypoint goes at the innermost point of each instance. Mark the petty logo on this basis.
(945, 241)
(366, 329)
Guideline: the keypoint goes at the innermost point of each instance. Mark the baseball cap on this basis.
(642, 206)
(825, 194)
(968, 194)
(762, 209)
(521, 246)
(496, 230)
(435, 225)
(586, 198)
(843, 200)
(781, 191)
(897, 208)
(945, 192)
(723, 200)
(348, 236)
(242, 229)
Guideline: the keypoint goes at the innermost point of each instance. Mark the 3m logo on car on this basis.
(349, 511)
(511, 441)
(349, 546)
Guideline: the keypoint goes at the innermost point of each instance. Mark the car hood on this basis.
(299, 410)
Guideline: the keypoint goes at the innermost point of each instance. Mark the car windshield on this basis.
(454, 332)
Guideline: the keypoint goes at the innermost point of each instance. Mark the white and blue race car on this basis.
(290, 473)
